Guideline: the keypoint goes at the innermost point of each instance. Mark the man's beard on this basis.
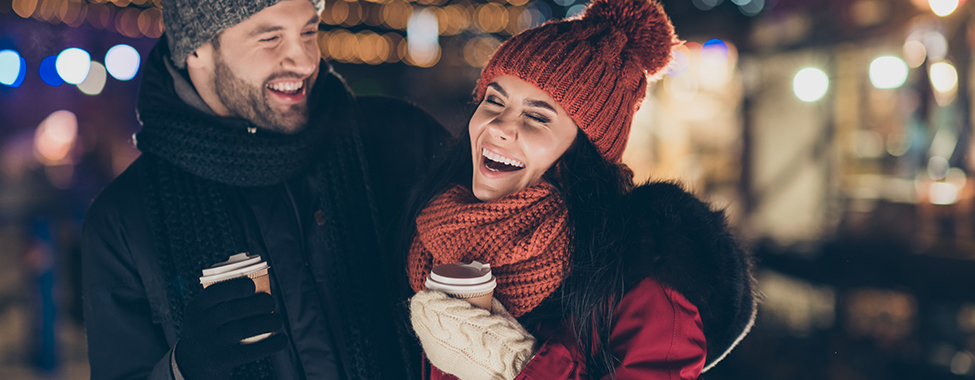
(250, 103)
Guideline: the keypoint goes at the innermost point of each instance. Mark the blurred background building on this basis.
(837, 134)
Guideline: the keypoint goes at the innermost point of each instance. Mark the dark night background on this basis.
(849, 183)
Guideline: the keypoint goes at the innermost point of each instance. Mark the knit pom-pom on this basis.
(651, 35)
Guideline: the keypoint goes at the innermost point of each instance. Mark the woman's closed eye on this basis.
(537, 117)
(491, 99)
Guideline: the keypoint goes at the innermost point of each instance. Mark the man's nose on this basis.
(301, 58)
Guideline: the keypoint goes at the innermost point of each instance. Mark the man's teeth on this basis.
(502, 159)
(286, 86)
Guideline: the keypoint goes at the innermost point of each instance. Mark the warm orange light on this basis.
(24, 8)
(55, 137)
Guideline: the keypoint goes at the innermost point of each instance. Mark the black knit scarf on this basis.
(195, 162)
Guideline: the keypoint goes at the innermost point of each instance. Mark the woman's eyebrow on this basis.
(497, 87)
(539, 104)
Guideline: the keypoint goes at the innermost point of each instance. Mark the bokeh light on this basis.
(490, 18)
(888, 72)
(55, 137)
(714, 52)
(127, 22)
(752, 8)
(914, 53)
(423, 39)
(575, 10)
(150, 22)
(12, 67)
(543, 11)
(938, 167)
(810, 84)
(935, 44)
(49, 71)
(943, 8)
(95, 82)
(943, 193)
(73, 65)
(395, 14)
(73, 13)
(122, 62)
(679, 63)
(478, 50)
(705, 5)
(943, 76)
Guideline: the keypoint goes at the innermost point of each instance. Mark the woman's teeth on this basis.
(286, 87)
(491, 156)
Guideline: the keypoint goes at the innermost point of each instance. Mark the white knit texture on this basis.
(469, 342)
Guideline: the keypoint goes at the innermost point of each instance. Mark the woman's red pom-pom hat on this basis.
(596, 66)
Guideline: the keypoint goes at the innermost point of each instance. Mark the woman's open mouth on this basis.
(499, 163)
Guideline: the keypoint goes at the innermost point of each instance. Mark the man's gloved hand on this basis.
(469, 342)
(214, 323)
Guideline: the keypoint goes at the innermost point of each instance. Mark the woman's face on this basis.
(517, 133)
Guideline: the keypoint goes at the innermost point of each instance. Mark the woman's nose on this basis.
(504, 127)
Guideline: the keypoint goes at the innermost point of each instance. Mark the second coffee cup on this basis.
(241, 265)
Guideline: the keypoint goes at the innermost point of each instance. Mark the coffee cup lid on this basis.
(237, 265)
(461, 278)
(239, 272)
(237, 261)
(461, 289)
(462, 274)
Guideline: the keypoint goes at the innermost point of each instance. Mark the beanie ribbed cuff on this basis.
(191, 23)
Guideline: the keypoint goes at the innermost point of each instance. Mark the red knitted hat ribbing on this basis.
(595, 66)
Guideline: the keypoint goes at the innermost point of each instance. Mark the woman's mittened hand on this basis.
(469, 342)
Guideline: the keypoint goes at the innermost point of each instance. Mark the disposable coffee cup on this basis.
(241, 265)
(472, 282)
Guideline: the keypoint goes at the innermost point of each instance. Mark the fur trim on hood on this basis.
(681, 242)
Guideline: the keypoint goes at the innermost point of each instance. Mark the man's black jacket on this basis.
(130, 332)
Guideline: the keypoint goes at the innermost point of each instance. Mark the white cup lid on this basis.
(461, 278)
(462, 274)
(239, 272)
(237, 261)
(461, 289)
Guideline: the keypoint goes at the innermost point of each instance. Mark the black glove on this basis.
(214, 323)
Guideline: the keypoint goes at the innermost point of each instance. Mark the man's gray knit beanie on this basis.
(191, 23)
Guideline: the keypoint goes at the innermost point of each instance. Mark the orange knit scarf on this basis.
(524, 236)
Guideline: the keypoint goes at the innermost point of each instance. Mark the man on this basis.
(252, 144)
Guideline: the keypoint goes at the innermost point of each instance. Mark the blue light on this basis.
(49, 71)
(11, 66)
(21, 75)
(542, 9)
(122, 62)
(714, 52)
(575, 10)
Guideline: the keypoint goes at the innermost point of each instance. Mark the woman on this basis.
(606, 280)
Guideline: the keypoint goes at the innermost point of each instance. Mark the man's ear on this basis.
(201, 58)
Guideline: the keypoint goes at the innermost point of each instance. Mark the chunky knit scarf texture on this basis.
(524, 236)
(195, 166)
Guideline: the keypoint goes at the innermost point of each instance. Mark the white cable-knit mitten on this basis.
(469, 342)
